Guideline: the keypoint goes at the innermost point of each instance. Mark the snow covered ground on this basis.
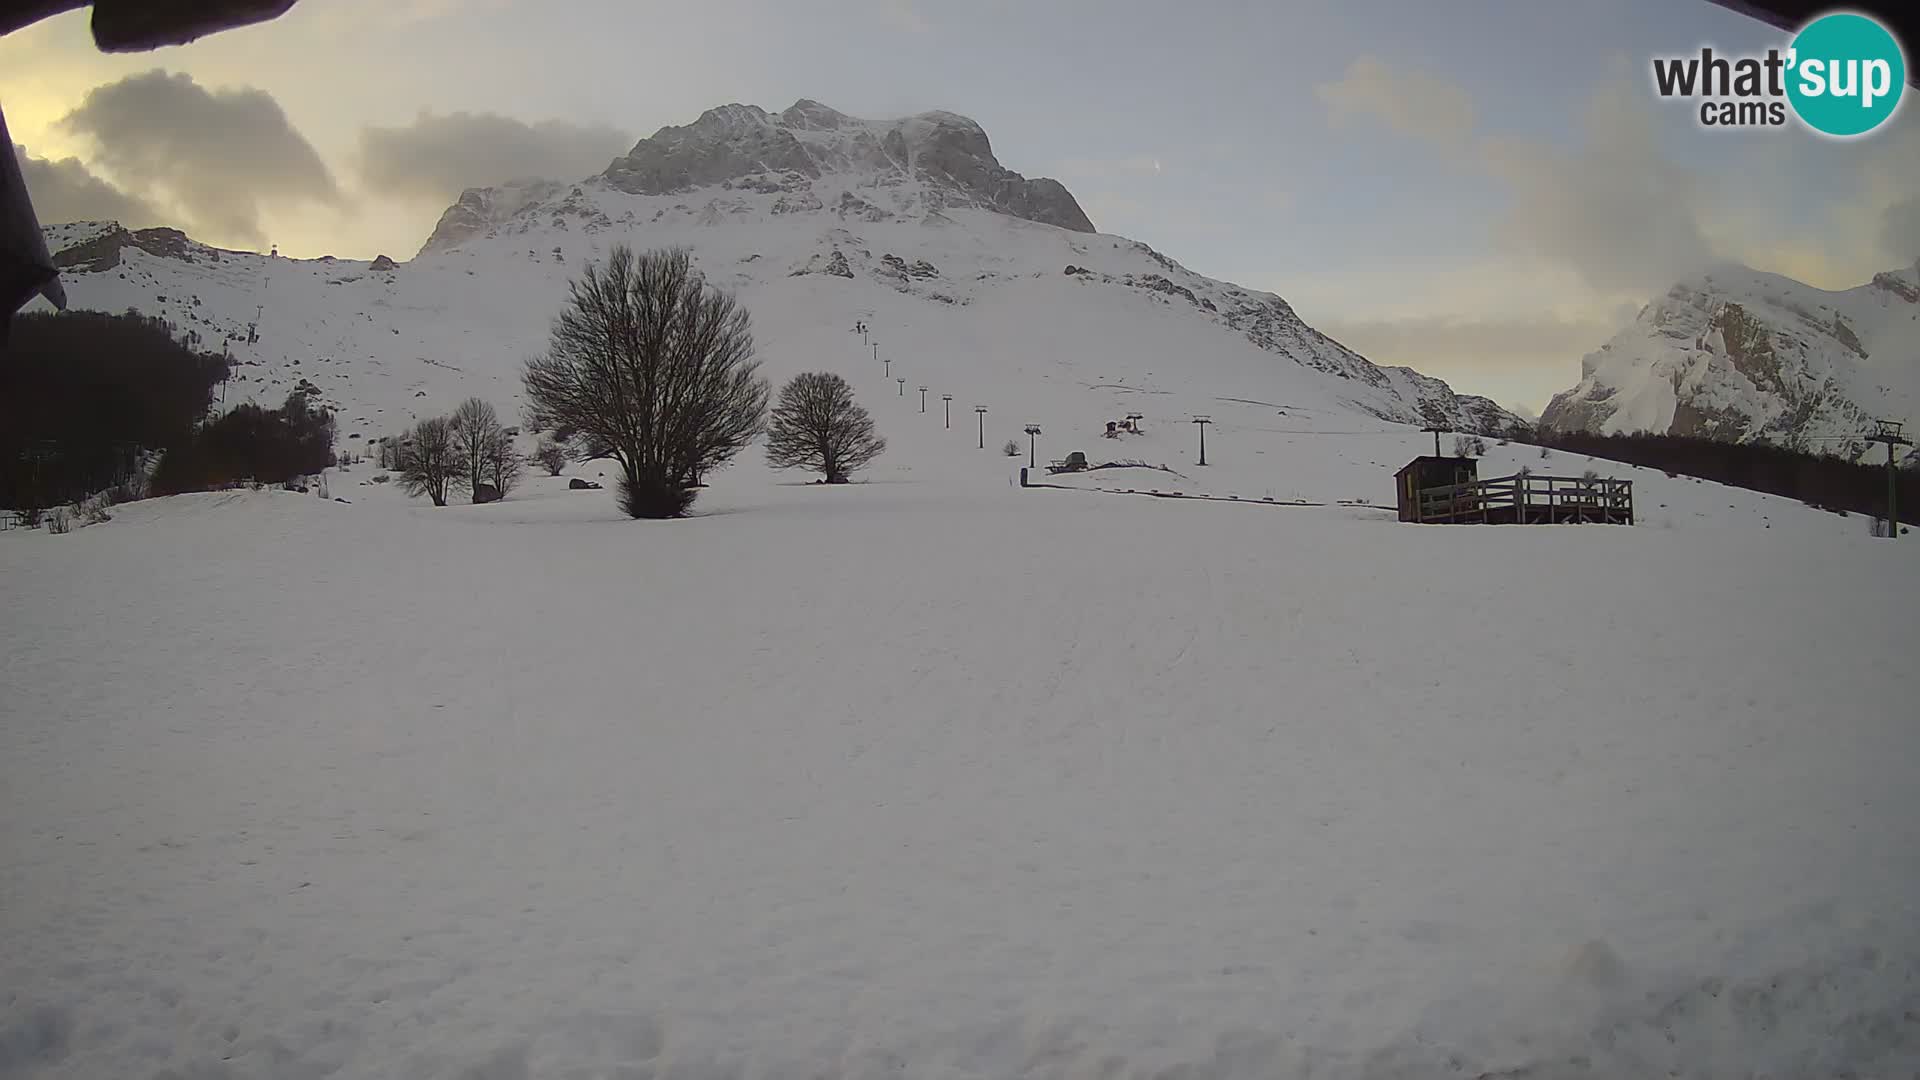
(933, 776)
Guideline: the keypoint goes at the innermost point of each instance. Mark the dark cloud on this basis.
(219, 156)
(65, 190)
(437, 157)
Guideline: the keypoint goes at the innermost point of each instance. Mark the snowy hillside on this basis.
(815, 220)
(1742, 355)
(940, 779)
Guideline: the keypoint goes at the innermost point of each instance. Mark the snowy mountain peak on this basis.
(1743, 355)
(941, 158)
(809, 115)
(817, 220)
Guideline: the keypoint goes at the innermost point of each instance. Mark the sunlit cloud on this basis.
(218, 157)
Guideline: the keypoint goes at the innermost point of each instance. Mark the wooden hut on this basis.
(1430, 472)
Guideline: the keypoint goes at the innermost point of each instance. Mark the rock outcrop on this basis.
(744, 145)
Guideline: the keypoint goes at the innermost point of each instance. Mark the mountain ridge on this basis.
(1744, 355)
(899, 225)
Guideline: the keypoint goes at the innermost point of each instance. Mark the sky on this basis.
(1483, 191)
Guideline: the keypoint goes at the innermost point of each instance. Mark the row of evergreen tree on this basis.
(84, 393)
(1825, 481)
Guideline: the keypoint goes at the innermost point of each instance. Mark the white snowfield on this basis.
(933, 776)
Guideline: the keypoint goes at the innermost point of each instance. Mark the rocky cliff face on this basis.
(1742, 355)
(946, 153)
(480, 210)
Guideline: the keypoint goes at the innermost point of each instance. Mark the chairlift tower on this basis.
(1891, 432)
(923, 399)
(948, 399)
(982, 411)
(1033, 436)
(1201, 422)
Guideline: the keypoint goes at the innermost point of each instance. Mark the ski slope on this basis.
(933, 776)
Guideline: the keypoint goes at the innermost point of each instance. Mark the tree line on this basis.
(268, 446)
(1821, 480)
(647, 366)
(85, 395)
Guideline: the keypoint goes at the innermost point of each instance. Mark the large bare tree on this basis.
(476, 427)
(649, 366)
(818, 426)
(429, 461)
(500, 464)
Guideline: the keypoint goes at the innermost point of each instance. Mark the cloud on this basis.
(1901, 236)
(1889, 182)
(903, 15)
(437, 157)
(65, 190)
(1616, 210)
(1409, 102)
(218, 156)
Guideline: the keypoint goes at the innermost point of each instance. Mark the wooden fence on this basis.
(1529, 499)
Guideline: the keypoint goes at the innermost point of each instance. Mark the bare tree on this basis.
(817, 426)
(429, 461)
(476, 427)
(649, 366)
(552, 455)
(500, 465)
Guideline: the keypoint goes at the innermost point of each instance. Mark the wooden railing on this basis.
(1529, 498)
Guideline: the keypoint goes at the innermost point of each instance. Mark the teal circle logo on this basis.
(1845, 74)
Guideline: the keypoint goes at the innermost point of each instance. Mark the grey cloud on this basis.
(65, 190)
(1901, 236)
(1616, 211)
(220, 156)
(1409, 102)
(437, 157)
